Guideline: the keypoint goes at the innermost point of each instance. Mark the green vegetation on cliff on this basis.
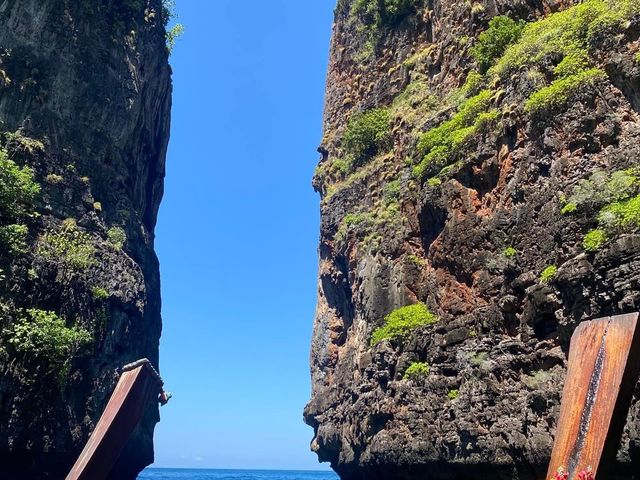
(41, 341)
(416, 371)
(548, 274)
(18, 191)
(68, 246)
(18, 188)
(367, 134)
(399, 324)
(441, 145)
(502, 32)
(383, 13)
(615, 196)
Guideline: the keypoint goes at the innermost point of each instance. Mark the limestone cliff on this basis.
(85, 98)
(480, 163)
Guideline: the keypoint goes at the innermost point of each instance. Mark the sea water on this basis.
(189, 474)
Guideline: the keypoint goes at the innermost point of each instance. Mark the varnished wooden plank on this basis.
(135, 390)
(604, 362)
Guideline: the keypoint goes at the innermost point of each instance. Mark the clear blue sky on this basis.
(238, 231)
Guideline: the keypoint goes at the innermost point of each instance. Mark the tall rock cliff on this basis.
(85, 98)
(480, 180)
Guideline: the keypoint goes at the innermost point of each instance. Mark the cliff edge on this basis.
(479, 182)
(85, 99)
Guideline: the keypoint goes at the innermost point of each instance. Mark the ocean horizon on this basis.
(233, 474)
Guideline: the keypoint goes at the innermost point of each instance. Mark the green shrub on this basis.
(473, 83)
(68, 246)
(564, 38)
(384, 13)
(594, 240)
(616, 194)
(17, 142)
(18, 188)
(563, 34)
(14, 238)
(453, 394)
(478, 359)
(43, 339)
(416, 370)
(623, 215)
(603, 188)
(117, 237)
(442, 144)
(172, 36)
(537, 380)
(568, 207)
(416, 260)
(392, 191)
(434, 182)
(502, 32)
(560, 92)
(352, 220)
(54, 179)
(99, 293)
(399, 324)
(367, 134)
(509, 252)
(174, 32)
(548, 274)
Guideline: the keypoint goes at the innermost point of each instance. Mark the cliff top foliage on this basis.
(174, 32)
(381, 13)
(566, 35)
(401, 322)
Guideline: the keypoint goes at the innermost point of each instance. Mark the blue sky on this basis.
(237, 233)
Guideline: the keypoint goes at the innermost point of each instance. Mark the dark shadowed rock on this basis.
(90, 81)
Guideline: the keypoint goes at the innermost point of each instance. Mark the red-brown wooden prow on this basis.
(604, 362)
(137, 386)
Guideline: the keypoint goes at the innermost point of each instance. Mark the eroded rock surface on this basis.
(85, 98)
(470, 237)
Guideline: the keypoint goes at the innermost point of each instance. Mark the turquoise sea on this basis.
(189, 474)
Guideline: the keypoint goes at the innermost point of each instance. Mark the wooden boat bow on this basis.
(138, 386)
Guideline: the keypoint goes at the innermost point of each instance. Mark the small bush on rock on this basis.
(441, 145)
(42, 338)
(558, 94)
(18, 189)
(502, 32)
(416, 370)
(594, 240)
(69, 247)
(401, 322)
(368, 134)
(14, 238)
(548, 274)
(117, 237)
(384, 13)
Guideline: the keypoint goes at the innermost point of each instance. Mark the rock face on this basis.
(85, 99)
(506, 220)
